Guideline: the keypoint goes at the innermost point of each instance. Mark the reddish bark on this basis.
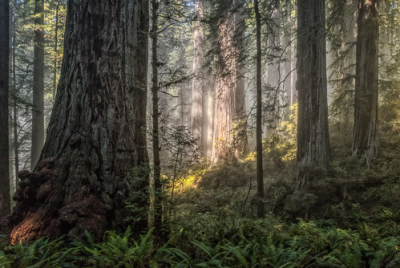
(95, 135)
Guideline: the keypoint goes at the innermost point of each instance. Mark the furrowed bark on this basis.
(365, 134)
(240, 117)
(229, 99)
(312, 130)
(96, 132)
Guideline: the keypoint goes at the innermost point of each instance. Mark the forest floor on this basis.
(349, 216)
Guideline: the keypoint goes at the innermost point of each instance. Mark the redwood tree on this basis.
(365, 135)
(38, 85)
(95, 135)
(312, 128)
(4, 135)
(230, 107)
(198, 86)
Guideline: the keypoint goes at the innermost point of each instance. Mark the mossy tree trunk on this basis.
(312, 130)
(96, 132)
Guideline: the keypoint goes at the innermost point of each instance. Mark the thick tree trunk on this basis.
(312, 129)
(347, 69)
(229, 100)
(198, 86)
(365, 135)
(260, 176)
(5, 207)
(38, 85)
(224, 109)
(96, 132)
(239, 119)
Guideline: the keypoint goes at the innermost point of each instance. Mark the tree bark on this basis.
(210, 117)
(288, 56)
(38, 85)
(55, 53)
(239, 119)
(198, 86)
(224, 93)
(229, 104)
(312, 130)
(274, 72)
(156, 139)
(5, 206)
(365, 134)
(15, 107)
(96, 132)
(260, 176)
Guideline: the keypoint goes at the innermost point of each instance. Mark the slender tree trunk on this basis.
(288, 55)
(38, 85)
(15, 97)
(274, 72)
(312, 128)
(260, 176)
(15, 139)
(198, 86)
(55, 54)
(365, 135)
(96, 132)
(10, 92)
(156, 139)
(294, 95)
(5, 206)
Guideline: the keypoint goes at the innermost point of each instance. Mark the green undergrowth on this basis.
(212, 243)
(349, 216)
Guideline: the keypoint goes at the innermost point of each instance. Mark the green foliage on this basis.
(138, 199)
(115, 251)
(258, 243)
(42, 253)
(281, 147)
(304, 244)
